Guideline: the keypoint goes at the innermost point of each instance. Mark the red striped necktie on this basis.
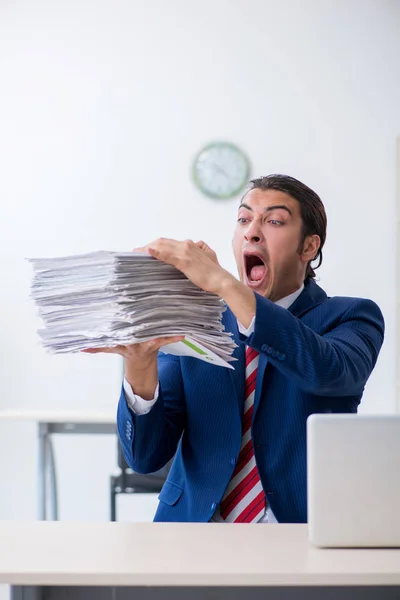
(244, 499)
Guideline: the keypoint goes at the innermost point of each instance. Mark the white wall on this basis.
(103, 105)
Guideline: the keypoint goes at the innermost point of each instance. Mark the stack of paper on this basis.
(104, 299)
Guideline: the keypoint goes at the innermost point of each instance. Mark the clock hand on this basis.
(220, 170)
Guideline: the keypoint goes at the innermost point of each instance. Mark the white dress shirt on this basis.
(141, 407)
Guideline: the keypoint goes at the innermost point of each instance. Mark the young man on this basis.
(239, 437)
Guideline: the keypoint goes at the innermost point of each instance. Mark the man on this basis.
(239, 437)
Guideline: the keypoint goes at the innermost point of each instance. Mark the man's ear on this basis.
(310, 247)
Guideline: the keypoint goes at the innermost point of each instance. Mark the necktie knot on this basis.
(251, 354)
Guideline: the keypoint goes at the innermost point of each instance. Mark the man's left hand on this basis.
(196, 260)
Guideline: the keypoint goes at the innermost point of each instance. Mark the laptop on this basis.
(353, 480)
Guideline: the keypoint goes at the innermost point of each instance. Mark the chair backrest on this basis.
(123, 465)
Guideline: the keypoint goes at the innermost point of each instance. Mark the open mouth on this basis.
(256, 269)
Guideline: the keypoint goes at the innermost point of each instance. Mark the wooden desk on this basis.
(171, 560)
(64, 422)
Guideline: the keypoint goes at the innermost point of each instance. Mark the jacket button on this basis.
(232, 460)
(282, 356)
(213, 506)
(264, 347)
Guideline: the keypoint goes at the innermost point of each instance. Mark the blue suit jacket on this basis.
(315, 357)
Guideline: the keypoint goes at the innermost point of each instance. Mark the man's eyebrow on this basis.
(279, 206)
(269, 208)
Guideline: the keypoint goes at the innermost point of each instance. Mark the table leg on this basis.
(113, 500)
(42, 464)
(53, 477)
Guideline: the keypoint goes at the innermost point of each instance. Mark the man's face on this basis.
(266, 243)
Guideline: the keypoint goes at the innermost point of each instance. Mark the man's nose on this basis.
(253, 233)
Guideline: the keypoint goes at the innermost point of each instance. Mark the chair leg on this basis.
(113, 500)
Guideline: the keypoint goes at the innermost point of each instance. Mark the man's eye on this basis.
(242, 220)
(275, 222)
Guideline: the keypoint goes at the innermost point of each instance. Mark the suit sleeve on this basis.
(150, 440)
(337, 363)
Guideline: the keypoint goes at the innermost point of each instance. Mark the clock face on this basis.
(221, 170)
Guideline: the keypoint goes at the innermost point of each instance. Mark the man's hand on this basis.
(196, 260)
(141, 351)
(141, 370)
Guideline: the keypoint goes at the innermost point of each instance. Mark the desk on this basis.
(60, 560)
(65, 422)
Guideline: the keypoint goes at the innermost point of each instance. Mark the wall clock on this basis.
(221, 170)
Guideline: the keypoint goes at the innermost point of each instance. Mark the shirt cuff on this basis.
(137, 404)
(247, 332)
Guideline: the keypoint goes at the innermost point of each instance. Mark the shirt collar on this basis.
(287, 301)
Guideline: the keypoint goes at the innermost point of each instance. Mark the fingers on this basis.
(156, 343)
(164, 341)
(166, 250)
(209, 251)
(112, 350)
(203, 245)
(160, 242)
(94, 350)
(156, 249)
(172, 251)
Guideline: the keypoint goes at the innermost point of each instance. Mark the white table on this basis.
(172, 560)
(64, 422)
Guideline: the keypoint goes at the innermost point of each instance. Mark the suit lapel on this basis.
(311, 296)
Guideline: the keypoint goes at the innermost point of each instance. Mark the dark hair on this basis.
(311, 209)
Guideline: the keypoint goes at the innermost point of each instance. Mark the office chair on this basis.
(129, 482)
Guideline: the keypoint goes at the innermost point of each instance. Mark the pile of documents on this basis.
(104, 299)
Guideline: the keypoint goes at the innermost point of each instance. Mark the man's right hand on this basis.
(140, 360)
